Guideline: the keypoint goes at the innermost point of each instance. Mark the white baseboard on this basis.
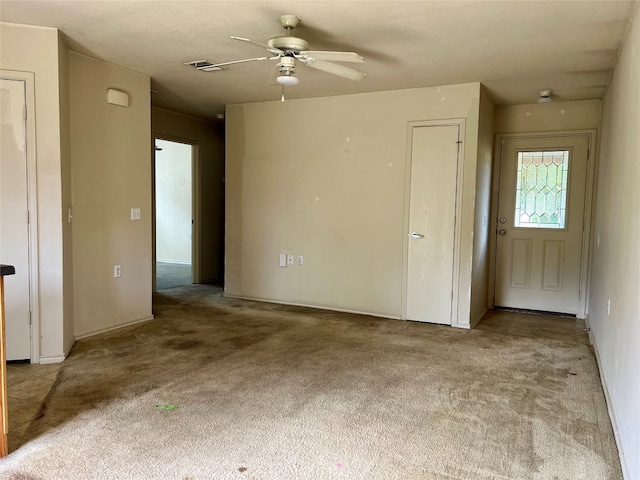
(117, 327)
(607, 396)
(464, 326)
(49, 359)
(317, 307)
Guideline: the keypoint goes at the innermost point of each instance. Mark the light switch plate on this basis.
(135, 214)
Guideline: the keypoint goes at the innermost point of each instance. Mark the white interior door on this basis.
(14, 228)
(540, 223)
(432, 207)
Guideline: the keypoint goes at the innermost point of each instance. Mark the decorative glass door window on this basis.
(541, 189)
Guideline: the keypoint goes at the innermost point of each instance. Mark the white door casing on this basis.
(431, 233)
(542, 266)
(14, 218)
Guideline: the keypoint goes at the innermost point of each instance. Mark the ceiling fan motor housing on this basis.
(289, 44)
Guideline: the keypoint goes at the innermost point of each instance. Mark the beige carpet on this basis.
(275, 392)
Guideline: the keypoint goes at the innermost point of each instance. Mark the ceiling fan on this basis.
(287, 50)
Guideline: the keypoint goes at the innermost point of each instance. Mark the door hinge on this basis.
(24, 112)
(588, 153)
(28, 220)
(29, 317)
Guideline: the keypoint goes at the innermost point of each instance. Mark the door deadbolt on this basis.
(503, 220)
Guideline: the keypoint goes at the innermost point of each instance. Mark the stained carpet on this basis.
(273, 392)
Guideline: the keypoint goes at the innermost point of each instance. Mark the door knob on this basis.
(502, 232)
(415, 235)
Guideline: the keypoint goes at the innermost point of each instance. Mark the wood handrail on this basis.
(4, 445)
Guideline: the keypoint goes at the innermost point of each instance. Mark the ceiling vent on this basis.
(203, 65)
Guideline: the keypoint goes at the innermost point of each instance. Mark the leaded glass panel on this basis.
(541, 189)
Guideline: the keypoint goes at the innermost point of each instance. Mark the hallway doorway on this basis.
(174, 250)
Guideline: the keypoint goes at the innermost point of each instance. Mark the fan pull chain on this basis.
(282, 98)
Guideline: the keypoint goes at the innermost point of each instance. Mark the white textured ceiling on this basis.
(515, 48)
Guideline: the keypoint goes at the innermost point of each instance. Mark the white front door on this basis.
(432, 207)
(540, 223)
(14, 228)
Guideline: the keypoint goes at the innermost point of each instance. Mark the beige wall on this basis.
(480, 272)
(616, 255)
(209, 137)
(326, 178)
(111, 173)
(39, 50)
(547, 117)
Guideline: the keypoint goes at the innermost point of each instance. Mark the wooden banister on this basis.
(4, 445)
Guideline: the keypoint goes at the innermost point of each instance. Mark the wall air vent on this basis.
(203, 65)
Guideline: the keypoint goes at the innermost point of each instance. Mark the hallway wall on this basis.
(616, 256)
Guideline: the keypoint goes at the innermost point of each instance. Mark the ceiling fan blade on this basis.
(350, 57)
(275, 51)
(217, 65)
(336, 69)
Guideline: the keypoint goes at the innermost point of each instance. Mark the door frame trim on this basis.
(196, 201)
(32, 205)
(455, 284)
(587, 234)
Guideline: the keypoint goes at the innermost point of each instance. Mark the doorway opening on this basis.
(174, 205)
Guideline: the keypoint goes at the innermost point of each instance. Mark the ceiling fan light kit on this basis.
(287, 80)
(286, 68)
(287, 50)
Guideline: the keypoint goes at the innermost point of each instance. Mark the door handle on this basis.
(502, 232)
(415, 235)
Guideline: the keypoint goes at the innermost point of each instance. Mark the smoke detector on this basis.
(545, 96)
